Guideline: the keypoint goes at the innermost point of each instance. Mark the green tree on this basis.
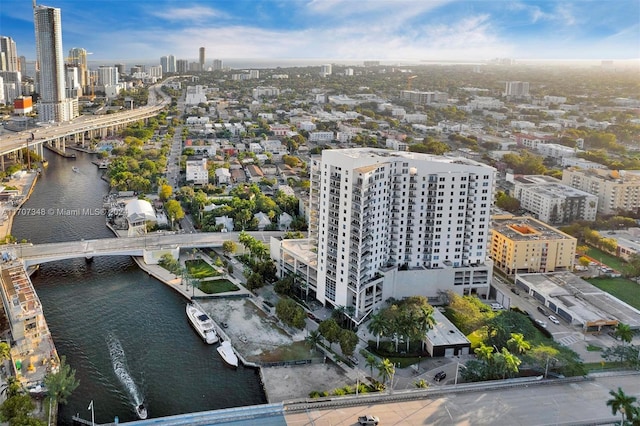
(506, 202)
(5, 351)
(633, 266)
(174, 210)
(255, 281)
(348, 341)
(290, 313)
(622, 403)
(330, 330)
(229, 247)
(17, 411)
(61, 384)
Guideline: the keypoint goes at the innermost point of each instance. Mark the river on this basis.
(89, 304)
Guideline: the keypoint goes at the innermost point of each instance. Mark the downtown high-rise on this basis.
(395, 224)
(8, 55)
(53, 104)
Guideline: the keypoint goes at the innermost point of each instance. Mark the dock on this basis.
(60, 152)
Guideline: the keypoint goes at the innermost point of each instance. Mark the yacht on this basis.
(202, 324)
(228, 355)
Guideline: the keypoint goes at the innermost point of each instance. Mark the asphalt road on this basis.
(575, 403)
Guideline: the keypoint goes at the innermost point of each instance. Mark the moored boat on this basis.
(75, 169)
(228, 355)
(202, 324)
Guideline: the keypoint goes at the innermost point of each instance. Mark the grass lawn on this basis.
(198, 268)
(217, 286)
(622, 288)
(609, 260)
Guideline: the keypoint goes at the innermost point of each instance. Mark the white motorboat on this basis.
(141, 411)
(75, 169)
(202, 323)
(228, 355)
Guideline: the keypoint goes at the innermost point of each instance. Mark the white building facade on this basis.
(197, 171)
(398, 224)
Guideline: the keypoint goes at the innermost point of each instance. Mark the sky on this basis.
(340, 30)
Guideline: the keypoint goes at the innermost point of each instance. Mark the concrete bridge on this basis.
(81, 129)
(150, 246)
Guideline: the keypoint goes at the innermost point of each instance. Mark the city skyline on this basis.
(343, 30)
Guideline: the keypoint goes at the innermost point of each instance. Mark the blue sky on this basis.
(348, 30)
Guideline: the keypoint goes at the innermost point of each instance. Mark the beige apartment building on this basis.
(616, 190)
(524, 244)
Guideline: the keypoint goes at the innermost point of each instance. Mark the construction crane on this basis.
(409, 80)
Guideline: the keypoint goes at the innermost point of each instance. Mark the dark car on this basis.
(515, 291)
(440, 376)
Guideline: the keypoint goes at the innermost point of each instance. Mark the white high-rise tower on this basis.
(53, 104)
(398, 224)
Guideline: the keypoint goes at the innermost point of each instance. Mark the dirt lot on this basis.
(256, 336)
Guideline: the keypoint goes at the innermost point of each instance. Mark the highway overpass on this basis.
(83, 127)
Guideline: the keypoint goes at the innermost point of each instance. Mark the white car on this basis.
(496, 307)
(553, 319)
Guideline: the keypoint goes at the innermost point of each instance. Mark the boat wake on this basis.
(119, 361)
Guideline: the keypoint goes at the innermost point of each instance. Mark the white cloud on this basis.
(193, 13)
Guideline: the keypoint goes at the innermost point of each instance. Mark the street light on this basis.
(457, 370)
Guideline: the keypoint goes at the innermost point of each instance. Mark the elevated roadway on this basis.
(85, 125)
(33, 254)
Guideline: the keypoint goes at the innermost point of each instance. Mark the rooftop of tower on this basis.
(360, 153)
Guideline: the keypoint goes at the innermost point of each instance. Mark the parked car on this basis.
(496, 307)
(353, 360)
(440, 376)
(542, 310)
(553, 319)
(541, 323)
(515, 291)
(368, 420)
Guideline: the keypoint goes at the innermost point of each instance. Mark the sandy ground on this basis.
(252, 333)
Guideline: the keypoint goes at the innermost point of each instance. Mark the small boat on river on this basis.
(75, 169)
(141, 411)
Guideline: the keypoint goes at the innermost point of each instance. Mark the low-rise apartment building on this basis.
(521, 244)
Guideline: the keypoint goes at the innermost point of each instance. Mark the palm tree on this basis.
(511, 362)
(386, 370)
(378, 326)
(484, 352)
(11, 388)
(518, 344)
(624, 333)
(60, 385)
(371, 362)
(314, 338)
(622, 403)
